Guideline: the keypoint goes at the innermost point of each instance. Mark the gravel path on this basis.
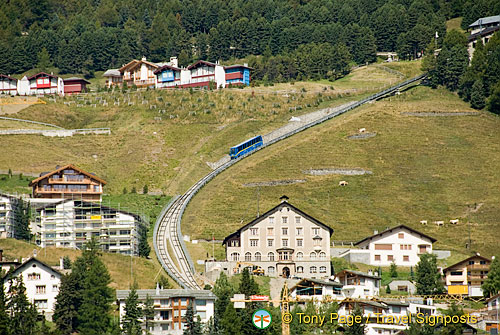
(345, 172)
(275, 182)
(440, 113)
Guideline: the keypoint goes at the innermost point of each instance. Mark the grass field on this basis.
(144, 271)
(454, 24)
(164, 138)
(424, 168)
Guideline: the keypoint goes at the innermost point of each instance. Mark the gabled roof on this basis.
(132, 64)
(390, 230)
(41, 74)
(272, 211)
(28, 263)
(485, 20)
(76, 79)
(168, 293)
(466, 260)
(69, 166)
(357, 273)
(484, 32)
(112, 73)
(166, 67)
(200, 63)
(8, 77)
(493, 297)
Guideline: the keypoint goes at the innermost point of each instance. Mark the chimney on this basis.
(375, 273)
(174, 62)
(143, 58)
(61, 263)
(1, 255)
(245, 64)
(284, 198)
(370, 272)
(157, 289)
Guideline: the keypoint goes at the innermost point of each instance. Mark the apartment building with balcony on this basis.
(8, 205)
(68, 182)
(284, 241)
(71, 223)
(357, 284)
(467, 276)
(42, 284)
(170, 307)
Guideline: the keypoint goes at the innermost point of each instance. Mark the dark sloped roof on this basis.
(272, 211)
(166, 67)
(394, 228)
(76, 79)
(8, 77)
(90, 175)
(359, 273)
(169, 293)
(31, 261)
(485, 20)
(466, 260)
(41, 74)
(316, 281)
(200, 63)
(482, 33)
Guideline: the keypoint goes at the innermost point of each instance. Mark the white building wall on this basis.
(23, 86)
(400, 247)
(8, 86)
(6, 216)
(220, 76)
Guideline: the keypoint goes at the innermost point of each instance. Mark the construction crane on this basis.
(285, 310)
(254, 269)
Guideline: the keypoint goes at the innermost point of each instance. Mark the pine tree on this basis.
(412, 274)
(231, 322)
(428, 276)
(453, 328)
(193, 325)
(494, 100)
(44, 60)
(22, 215)
(388, 289)
(394, 270)
(4, 317)
(144, 248)
(94, 318)
(131, 323)
(224, 291)
(163, 282)
(491, 285)
(22, 314)
(68, 302)
(477, 97)
(357, 328)
(148, 311)
(145, 189)
(66, 262)
(248, 286)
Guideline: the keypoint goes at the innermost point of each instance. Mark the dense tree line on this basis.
(477, 81)
(89, 35)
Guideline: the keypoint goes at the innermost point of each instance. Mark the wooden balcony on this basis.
(478, 267)
(66, 181)
(65, 191)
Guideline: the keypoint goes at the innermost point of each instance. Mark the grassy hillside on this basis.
(164, 138)
(144, 271)
(424, 168)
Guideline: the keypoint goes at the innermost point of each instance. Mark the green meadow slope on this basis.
(427, 166)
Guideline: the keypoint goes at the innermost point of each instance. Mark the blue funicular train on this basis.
(245, 147)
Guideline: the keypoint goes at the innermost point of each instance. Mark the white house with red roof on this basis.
(41, 84)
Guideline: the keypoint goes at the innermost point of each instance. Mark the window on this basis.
(456, 273)
(390, 257)
(317, 242)
(284, 242)
(124, 243)
(258, 257)
(284, 231)
(297, 220)
(254, 231)
(284, 220)
(299, 231)
(406, 258)
(284, 256)
(312, 256)
(401, 235)
(248, 257)
(383, 246)
(271, 220)
(254, 243)
(313, 269)
(322, 255)
(405, 246)
(270, 231)
(81, 234)
(299, 242)
(270, 270)
(482, 262)
(64, 234)
(300, 256)
(41, 304)
(377, 257)
(270, 256)
(270, 243)
(50, 226)
(55, 288)
(50, 235)
(322, 269)
(315, 231)
(33, 276)
(124, 232)
(396, 309)
(235, 256)
(40, 289)
(471, 262)
(300, 269)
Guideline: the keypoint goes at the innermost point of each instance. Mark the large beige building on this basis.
(283, 242)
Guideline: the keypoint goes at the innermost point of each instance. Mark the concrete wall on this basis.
(357, 256)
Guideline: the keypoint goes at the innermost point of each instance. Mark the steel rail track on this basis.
(167, 229)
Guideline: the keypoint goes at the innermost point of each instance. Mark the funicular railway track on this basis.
(167, 232)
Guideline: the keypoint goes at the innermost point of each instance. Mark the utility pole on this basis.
(258, 199)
